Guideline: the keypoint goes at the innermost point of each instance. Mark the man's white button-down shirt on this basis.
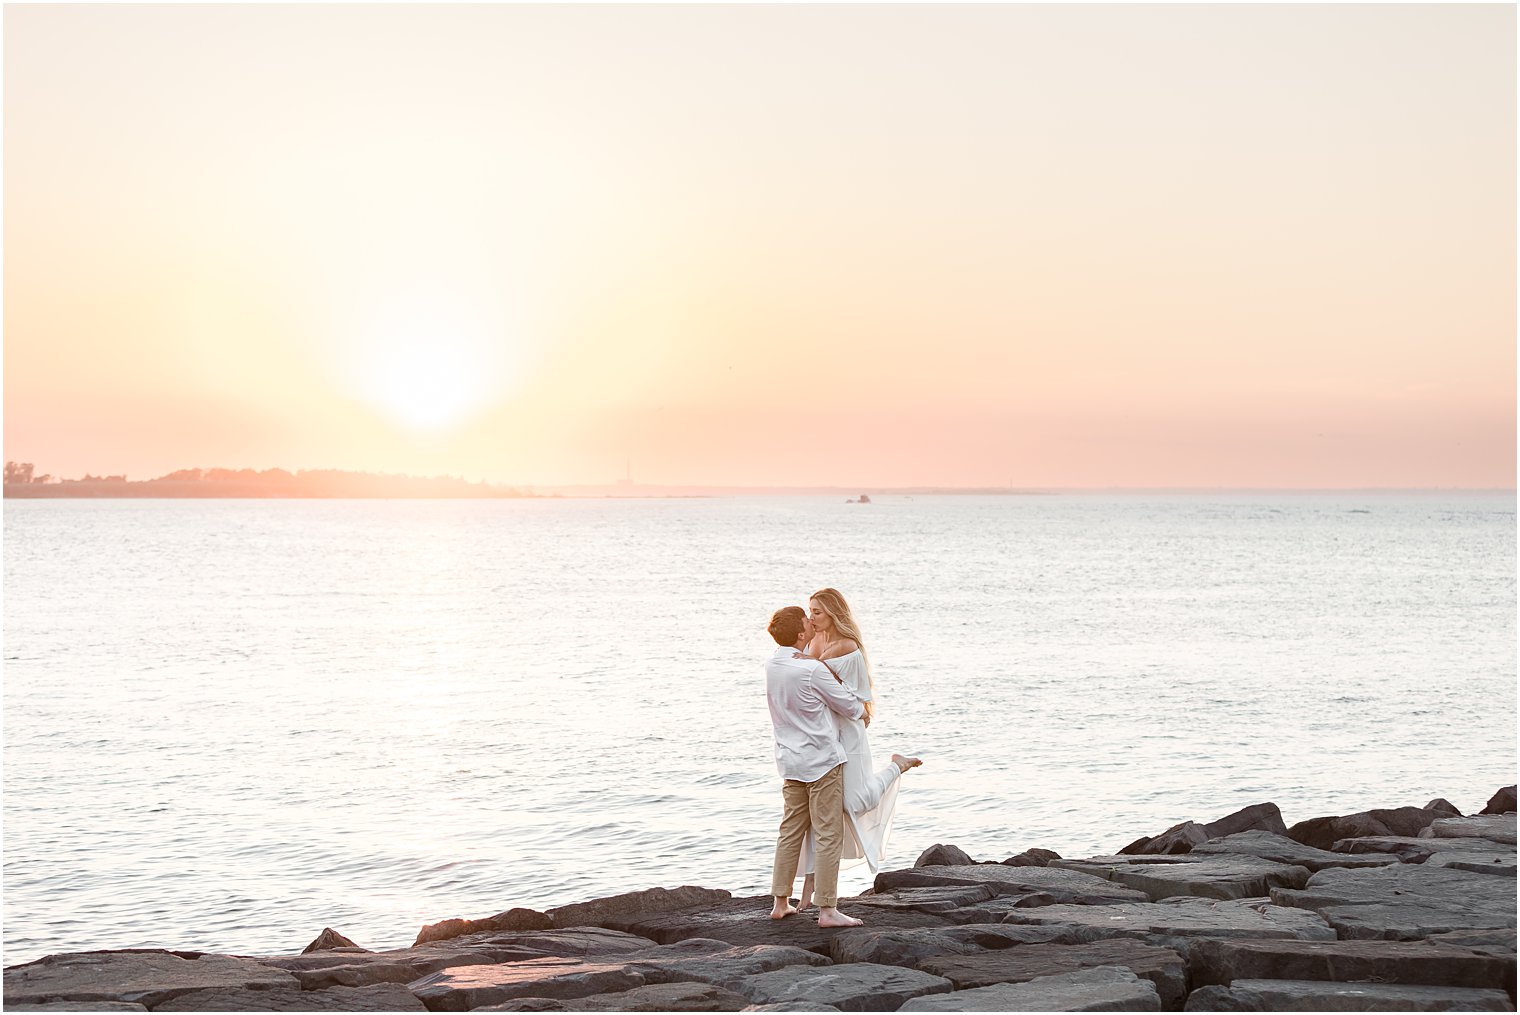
(801, 694)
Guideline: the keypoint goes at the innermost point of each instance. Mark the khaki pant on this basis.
(819, 805)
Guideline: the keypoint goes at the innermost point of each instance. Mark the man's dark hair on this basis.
(786, 625)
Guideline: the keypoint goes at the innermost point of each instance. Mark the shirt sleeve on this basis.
(835, 695)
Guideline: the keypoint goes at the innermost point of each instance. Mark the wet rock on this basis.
(1059, 885)
(1444, 806)
(907, 947)
(1165, 922)
(1033, 858)
(1403, 962)
(148, 977)
(1104, 988)
(1281, 849)
(1404, 902)
(512, 919)
(744, 922)
(940, 855)
(1162, 966)
(462, 988)
(1210, 877)
(383, 997)
(855, 986)
(619, 911)
(328, 940)
(1323, 833)
(1314, 995)
(1263, 817)
(657, 997)
(1502, 802)
(1496, 827)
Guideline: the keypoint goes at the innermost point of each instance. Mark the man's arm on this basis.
(835, 695)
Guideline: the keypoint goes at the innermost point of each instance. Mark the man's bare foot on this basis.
(782, 909)
(828, 916)
(903, 762)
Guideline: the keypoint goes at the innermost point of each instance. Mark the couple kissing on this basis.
(836, 806)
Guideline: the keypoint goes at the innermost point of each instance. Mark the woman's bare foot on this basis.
(806, 898)
(903, 762)
(782, 909)
(828, 916)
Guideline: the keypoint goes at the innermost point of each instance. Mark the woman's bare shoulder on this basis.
(843, 647)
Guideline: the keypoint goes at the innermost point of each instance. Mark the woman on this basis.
(870, 794)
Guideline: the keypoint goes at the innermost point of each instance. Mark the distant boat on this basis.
(864, 499)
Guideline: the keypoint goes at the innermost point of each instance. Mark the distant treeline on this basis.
(21, 480)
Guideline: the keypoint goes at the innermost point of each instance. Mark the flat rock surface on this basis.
(1057, 884)
(1106, 988)
(792, 1006)
(1186, 918)
(1412, 848)
(1281, 849)
(149, 977)
(1162, 966)
(1404, 962)
(906, 947)
(461, 988)
(1210, 877)
(1314, 995)
(617, 910)
(854, 986)
(657, 997)
(711, 961)
(744, 922)
(78, 1006)
(939, 899)
(1498, 827)
(1405, 902)
(1498, 862)
(382, 997)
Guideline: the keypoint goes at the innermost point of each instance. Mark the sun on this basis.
(430, 364)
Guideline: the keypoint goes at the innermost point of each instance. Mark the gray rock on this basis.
(744, 922)
(1210, 877)
(1263, 817)
(382, 997)
(148, 977)
(1405, 901)
(792, 1006)
(1444, 806)
(711, 961)
(657, 997)
(329, 940)
(1489, 942)
(1281, 849)
(1033, 858)
(462, 988)
(906, 947)
(1163, 923)
(855, 986)
(1502, 802)
(1412, 848)
(618, 911)
(512, 919)
(1498, 827)
(1161, 966)
(940, 855)
(1216, 961)
(942, 899)
(1323, 833)
(1059, 885)
(78, 1006)
(1314, 995)
(1494, 862)
(1180, 838)
(1104, 988)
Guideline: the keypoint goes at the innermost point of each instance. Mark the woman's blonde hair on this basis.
(832, 603)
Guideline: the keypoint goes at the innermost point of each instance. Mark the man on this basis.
(802, 693)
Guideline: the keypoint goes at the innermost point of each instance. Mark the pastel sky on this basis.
(1047, 246)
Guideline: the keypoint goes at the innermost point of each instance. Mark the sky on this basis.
(1033, 246)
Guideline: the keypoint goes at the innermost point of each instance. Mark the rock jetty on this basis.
(1405, 909)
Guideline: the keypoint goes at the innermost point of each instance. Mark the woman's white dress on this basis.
(870, 793)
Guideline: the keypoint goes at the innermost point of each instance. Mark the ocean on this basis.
(231, 723)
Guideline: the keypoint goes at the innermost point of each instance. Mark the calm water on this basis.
(229, 724)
